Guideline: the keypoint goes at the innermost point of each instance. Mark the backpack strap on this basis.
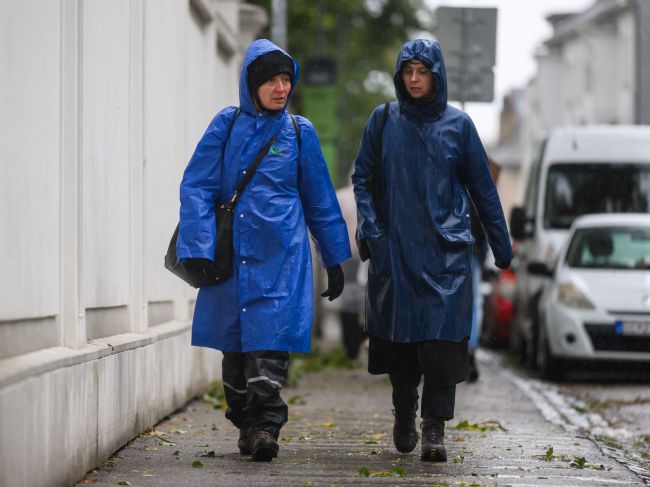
(296, 127)
(374, 176)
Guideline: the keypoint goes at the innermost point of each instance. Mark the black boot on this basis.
(433, 446)
(244, 442)
(405, 400)
(405, 436)
(264, 446)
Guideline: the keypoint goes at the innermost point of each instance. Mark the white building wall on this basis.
(102, 104)
(29, 215)
(587, 74)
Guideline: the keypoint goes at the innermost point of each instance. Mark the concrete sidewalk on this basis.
(340, 433)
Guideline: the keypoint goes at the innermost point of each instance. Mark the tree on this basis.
(363, 37)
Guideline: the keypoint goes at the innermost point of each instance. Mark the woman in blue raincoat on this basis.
(416, 231)
(265, 309)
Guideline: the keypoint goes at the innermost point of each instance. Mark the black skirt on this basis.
(443, 363)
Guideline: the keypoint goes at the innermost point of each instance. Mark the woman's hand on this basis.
(335, 281)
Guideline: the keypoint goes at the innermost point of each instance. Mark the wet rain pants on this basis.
(252, 384)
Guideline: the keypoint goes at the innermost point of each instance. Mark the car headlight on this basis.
(569, 295)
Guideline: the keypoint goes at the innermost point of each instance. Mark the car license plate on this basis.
(633, 328)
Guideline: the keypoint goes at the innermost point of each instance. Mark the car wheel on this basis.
(549, 367)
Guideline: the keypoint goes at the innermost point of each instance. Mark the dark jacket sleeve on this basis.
(484, 194)
(199, 189)
(318, 198)
(368, 225)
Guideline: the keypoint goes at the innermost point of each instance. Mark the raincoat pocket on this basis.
(379, 255)
(457, 244)
(456, 235)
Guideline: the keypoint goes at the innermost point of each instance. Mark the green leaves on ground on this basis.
(197, 464)
(574, 462)
(578, 462)
(297, 401)
(317, 361)
(215, 395)
(484, 426)
(549, 453)
(394, 472)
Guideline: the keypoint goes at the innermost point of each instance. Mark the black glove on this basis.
(334, 282)
(364, 251)
(502, 264)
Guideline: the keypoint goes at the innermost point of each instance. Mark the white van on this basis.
(576, 171)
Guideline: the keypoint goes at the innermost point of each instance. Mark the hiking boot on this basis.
(244, 442)
(405, 436)
(433, 446)
(264, 446)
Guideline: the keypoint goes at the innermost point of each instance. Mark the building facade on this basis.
(594, 68)
(102, 105)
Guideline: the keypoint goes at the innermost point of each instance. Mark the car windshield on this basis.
(610, 248)
(578, 189)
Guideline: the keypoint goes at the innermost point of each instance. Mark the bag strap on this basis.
(260, 155)
(378, 137)
(296, 127)
(249, 174)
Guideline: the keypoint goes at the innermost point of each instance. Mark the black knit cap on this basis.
(266, 66)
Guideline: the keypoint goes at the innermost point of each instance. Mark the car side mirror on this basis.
(539, 269)
(519, 224)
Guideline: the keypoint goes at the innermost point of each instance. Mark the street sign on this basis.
(467, 37)
(478, 86)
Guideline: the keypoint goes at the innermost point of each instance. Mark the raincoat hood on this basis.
(429, 53)
(256, 49)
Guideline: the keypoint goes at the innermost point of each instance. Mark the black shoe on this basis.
(264, 446)
(433, 446)
(244, 442)
(405, 436)
(473, 368)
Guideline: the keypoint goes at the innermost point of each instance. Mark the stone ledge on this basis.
(21, 367)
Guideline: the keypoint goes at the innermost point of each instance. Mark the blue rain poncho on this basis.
(268, 302)
(418, 233)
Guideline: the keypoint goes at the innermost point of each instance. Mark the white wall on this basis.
(587, 77)
(101, 105)
(29, 116)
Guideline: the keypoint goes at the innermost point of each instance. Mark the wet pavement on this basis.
(507, 431)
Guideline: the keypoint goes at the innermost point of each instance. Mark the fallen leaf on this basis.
(197, 464)
(297, 401)
(328, 425)
(549, 453)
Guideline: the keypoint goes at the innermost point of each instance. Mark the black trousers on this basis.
(252, 384)
(443, 364)
(437, 401)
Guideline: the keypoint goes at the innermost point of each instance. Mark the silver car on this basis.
(595, 305)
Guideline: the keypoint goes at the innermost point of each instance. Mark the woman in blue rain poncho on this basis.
(415, 228)
(265, 309)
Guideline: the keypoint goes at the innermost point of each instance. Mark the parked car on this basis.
(576, 171)
(595, 304)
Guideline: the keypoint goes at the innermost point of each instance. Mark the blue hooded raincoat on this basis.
(418, 232)
(268, 302)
